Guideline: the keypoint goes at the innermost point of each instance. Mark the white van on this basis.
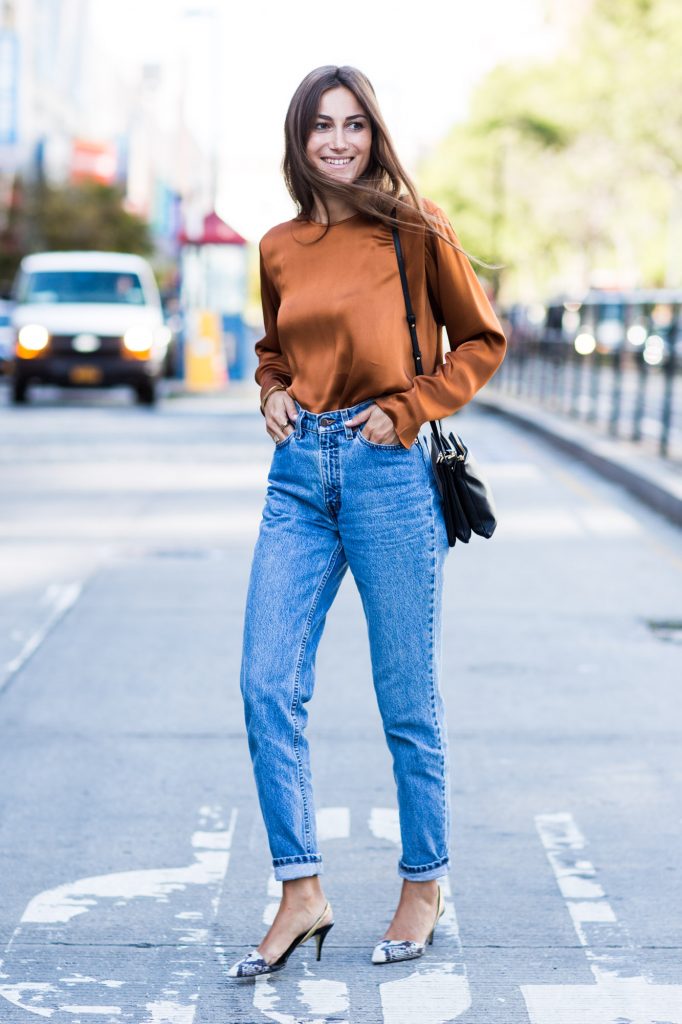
(87, 319)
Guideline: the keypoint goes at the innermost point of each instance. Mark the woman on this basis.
(351, 486)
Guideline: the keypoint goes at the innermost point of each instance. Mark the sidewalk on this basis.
(654, 480)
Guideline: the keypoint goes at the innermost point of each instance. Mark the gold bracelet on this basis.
(275, 387)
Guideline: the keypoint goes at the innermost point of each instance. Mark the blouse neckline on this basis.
(334, 223)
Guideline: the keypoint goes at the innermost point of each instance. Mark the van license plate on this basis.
(85, 375)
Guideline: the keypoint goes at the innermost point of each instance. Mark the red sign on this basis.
(93, 161)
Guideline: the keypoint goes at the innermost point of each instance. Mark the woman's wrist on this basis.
(275, 387)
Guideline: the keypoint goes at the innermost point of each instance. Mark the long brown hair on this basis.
(384, 184)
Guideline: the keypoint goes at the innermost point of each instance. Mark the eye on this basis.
(360, 124)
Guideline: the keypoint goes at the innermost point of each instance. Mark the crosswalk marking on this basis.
(621, 992)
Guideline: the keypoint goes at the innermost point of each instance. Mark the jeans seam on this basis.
(285, 440)
(297, 689)
(432, 606)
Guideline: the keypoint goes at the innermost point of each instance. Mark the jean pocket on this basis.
(285, 441)
(380, 447)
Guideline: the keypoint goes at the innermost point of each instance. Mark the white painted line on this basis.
(434, 992)
(111, 895)
(167, 1012)
(333, 823)
(91, 1009)
(622, 992)
(66, 901)
(384, 823)
(607, 521)
(321, 997)
(59, 598)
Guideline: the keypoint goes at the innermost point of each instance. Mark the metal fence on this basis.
(630, 389)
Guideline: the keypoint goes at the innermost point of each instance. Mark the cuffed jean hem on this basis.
(425, 873)
(297, 867)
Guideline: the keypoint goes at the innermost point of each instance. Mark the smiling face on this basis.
(341, 137)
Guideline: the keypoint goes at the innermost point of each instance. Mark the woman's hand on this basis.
(380, 427)
(280, 410)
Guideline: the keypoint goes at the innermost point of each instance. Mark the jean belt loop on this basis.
(349, 430)
(299, 420)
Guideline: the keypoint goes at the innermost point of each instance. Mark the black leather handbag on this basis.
(468, 504)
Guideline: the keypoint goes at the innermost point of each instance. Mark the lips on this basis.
(337, 161)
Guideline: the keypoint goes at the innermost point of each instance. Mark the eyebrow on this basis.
(351, 117)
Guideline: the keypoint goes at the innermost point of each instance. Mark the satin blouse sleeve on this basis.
(273, 367)
(477, 343)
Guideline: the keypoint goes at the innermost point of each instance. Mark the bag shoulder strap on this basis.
(410, 317)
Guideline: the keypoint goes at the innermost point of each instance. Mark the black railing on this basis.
(629, 389)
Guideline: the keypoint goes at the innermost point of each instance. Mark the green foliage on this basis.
(88, 215)
(572, 165)
(85, 216)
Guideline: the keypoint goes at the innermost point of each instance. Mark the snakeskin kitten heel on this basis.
(253, 963)
(390, 951)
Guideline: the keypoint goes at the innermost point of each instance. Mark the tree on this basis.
(86, 215)
(573, 164)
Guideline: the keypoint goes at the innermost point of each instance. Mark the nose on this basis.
(339, 141)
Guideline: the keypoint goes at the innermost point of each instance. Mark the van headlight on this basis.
(138, 339)
(33, 337)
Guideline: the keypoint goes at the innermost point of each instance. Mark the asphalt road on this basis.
(133, 860)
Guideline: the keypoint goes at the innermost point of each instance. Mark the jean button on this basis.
(326, 421)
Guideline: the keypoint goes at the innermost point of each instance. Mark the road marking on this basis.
(622, 992)
(58, 913)
(514, 471)
(321, 997)
(433, 992)
(384, 823)
(59, 597)
(333, 823)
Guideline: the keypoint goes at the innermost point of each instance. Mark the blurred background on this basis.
(549, 132)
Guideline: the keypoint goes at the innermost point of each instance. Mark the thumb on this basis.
(290, 406)
(360, 417)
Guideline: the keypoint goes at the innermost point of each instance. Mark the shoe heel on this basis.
(430, 938)
(321, 936)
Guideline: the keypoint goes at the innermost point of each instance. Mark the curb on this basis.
(650, 486)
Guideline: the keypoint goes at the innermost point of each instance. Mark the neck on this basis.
(338, 210)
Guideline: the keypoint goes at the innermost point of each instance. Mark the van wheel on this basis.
(19, 391)
(146, 392)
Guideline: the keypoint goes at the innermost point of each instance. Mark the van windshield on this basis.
(121, 287)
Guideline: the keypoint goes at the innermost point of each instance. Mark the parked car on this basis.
(87, 319)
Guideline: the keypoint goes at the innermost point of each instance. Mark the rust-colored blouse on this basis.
(335, 327)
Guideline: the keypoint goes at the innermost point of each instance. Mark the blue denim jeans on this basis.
(336, 500)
